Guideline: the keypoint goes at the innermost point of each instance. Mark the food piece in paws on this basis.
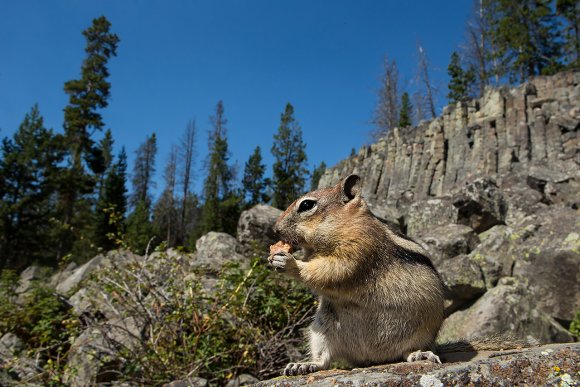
(280, 247)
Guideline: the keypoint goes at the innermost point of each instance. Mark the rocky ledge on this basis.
(548, 365)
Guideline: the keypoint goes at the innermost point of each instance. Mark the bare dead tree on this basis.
(186, 155)
(423, 77)
(386, 114)
(419, 103)
(478, 47)
(170, 176)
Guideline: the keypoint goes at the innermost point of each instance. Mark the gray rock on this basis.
(15, 366)
(492, 255)
(462, 278)
(27, 277)
(425, 215)
(255, 227)
(62, 274)
(546, 248)
(215, 249)
(74, 280)
(117, 257)
(521, 199)
(242, 380)
(480, 205)
(529, 367)
(558, 184)
(93, 358)
(193, 381)
(444, 242)
(509, 308)
(10, 345)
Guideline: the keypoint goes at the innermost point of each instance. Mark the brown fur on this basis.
(380, 297)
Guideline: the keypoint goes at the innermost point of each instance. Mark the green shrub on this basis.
(243, 320)
(42, 320)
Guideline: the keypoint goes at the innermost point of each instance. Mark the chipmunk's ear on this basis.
(351, 188)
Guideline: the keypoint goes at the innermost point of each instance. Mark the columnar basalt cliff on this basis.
(507, 130)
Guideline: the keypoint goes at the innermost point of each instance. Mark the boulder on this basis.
(480, 205)
(444, 242)
(117, 257)
(558, 184)
(93, 358)
(215, 249)
(546, 248)
(15, 365)
(509, 308)
(10, 345)
(462, 278)
(492, 254)
(521, 199)
(425, 215)
(62, 274)
(27, 278)
(256, 227)
(73, 281)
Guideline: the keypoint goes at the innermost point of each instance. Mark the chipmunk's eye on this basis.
(306, 205)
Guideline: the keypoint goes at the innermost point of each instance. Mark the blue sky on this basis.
(176, 59)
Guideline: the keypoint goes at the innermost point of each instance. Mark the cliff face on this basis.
(535, 124)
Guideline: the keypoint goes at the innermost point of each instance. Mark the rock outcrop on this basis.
(551, 365)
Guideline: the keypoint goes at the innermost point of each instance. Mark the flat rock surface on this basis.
(554, 364)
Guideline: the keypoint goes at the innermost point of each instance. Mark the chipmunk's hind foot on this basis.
(423, 355)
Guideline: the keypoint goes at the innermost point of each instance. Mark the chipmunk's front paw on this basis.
(283, 262)
(423, 355)
(293, 369)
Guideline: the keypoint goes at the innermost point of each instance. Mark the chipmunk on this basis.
(381, 299)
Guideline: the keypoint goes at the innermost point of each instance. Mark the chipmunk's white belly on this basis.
(363, 335)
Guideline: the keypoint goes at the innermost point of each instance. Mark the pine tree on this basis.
(253, 182)
(460, 82)
(570, 11)
(87, 96)
(165, 212)
(140, 236)
(106, 150)
(316, 175)
(406, 111)
(140, 231)
(29, 173)
(112, 205)
(143, 172)
(221, 203)
(289, 169)
(524, 33)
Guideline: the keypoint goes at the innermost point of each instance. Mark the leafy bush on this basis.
(42, 320)
(196, 323)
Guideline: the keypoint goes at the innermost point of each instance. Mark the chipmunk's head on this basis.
(320, 218)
